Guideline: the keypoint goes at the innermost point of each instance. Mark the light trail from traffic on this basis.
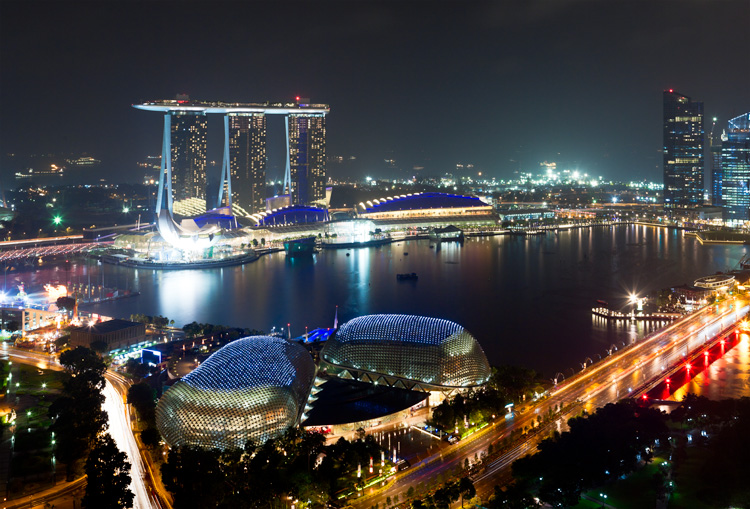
(119, 424)
(119, 428)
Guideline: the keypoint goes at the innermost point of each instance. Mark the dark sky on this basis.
(428, 83)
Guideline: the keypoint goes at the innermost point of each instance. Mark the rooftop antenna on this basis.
(289, 331)
(336, 319)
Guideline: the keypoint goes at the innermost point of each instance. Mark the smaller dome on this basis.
(426, 350)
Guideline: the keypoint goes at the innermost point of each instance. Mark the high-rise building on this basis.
(683, 151)
(307, 157)
(714, 163)
(735, 168)
(243, 168)
(188, 155)
(247, 149)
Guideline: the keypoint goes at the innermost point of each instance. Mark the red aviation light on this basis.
(297, 98)
(670, 90)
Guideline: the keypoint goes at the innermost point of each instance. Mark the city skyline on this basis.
(501, 88)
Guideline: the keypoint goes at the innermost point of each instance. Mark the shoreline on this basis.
(248, 258)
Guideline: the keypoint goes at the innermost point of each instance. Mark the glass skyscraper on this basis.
(189, 155)
(247, 149)
(735, 168)
(307, 158)
(683, 151)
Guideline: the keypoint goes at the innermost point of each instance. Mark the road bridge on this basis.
(607, 381)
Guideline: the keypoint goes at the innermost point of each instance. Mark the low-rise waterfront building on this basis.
(114, 334)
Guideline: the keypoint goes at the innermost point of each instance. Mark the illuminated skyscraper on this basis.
(189, 155)
(307, 157)
(714, 163)
(735, 168)
(247, 147)
(683, 151)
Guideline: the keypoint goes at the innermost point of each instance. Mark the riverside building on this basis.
(683, 164)
(735, 169)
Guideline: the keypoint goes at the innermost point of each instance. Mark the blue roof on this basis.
(221, 216)
(427, 201)
(397, 328)
(255, 361)
(293, 215)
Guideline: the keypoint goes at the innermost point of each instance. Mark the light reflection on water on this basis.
(727, 377)
(527, 300)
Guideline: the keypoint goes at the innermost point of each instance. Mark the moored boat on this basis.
(300, 247)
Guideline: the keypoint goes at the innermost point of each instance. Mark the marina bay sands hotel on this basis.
(243, 174)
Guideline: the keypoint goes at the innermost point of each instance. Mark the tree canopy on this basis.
(107, 476)
(77, 414)
(597, 449)
(250, 477)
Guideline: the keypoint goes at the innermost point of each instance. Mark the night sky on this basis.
(502, 85)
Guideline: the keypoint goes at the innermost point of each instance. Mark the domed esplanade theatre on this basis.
(254, 388)
(408, 352)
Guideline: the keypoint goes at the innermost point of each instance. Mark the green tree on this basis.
(62, 342)
(77, 415)
(136, 369)
(194, 476)
(107, 476)
(66, 303)
(83, 361)
(515, 496)
(142, 397)
(150, 437)
(99, 346)
(466, 488)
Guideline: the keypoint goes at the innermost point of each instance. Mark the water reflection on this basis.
(527, 300)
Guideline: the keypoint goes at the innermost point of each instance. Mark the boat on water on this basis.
(83, 162)
(411, 276)
(300, 247)
(53, 170)
(450, 232)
